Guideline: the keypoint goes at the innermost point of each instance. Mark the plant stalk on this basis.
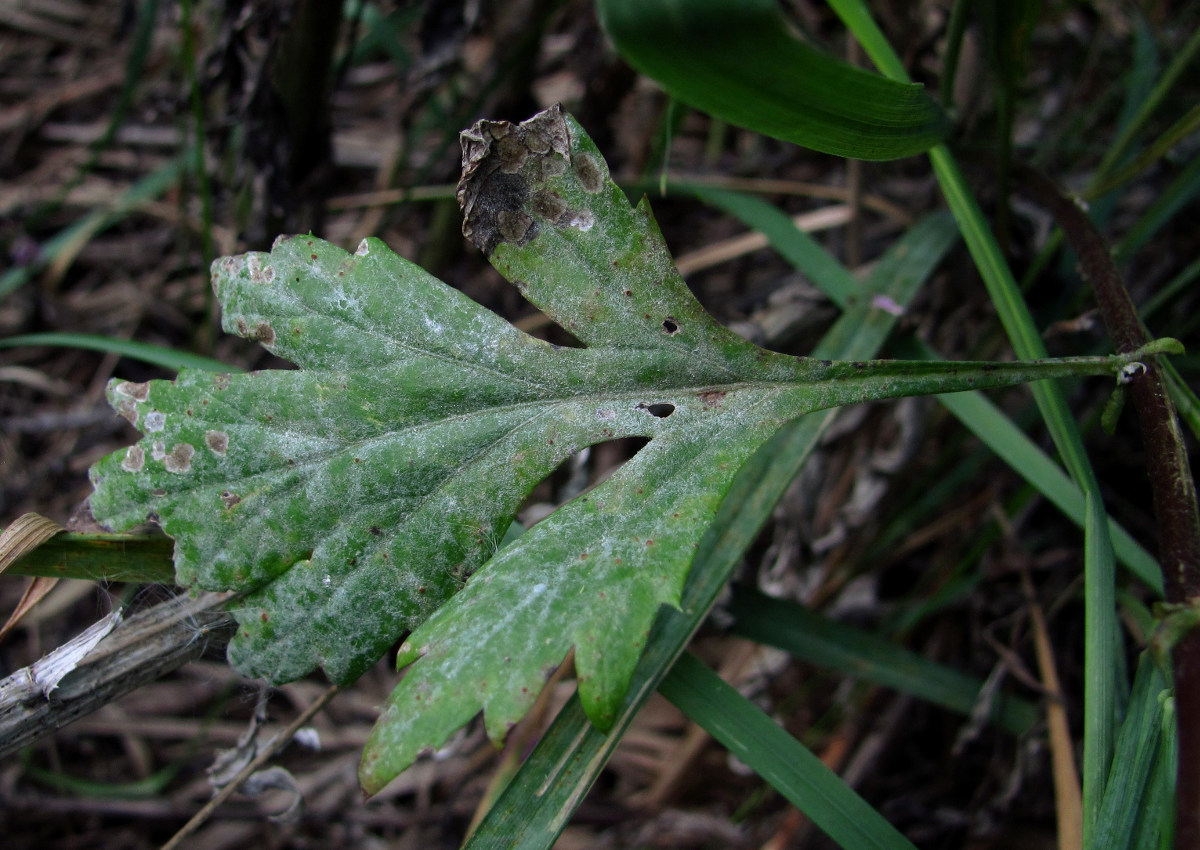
(1172, 486)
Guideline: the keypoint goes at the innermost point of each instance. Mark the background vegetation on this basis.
(141, 140)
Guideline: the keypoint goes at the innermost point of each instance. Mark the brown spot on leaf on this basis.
(217, 442)
(513, 226)
(135, 457)
(179, 459)
(503, 165)
(264, 333)
(260, 272)
(511, 151)
(137, 392)
(220, 381)
(590, 173)
(549, 205)
(127, 409)
(712, 398)
(229, 499)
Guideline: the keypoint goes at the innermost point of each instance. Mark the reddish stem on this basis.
(1172, 485)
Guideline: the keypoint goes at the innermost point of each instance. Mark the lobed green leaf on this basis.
(358, 499)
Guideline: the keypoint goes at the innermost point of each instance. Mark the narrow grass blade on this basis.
(793, 244)
(1139, 746)
(738, 61)
(156, 355)
(777, 757)
(1156, 827)
(150, 186)
(1166, 206)
(1101, 631)
(1146, 106)
(1186, 403)
(1100, 689)
(807, 635)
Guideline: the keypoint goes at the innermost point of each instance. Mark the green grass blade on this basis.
(135, 67)
(1137, 752)
(870, 657)
(738, 61)
(1101, 632)
(149, 187)
(1182, 191)
(1159, 148)
(857, 18)
(1100, 688)
(157, 355)
(1156, 826)
(793, 244)
(1129, 130)
(1171, 290)
(778, 758)
(1186, 403)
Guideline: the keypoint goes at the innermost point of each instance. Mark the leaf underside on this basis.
(351, 500)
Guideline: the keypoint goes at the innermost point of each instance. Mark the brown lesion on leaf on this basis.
(261, 332)
(229, 498)
(511, 151)
(135, 457)
(503, 165)
(179, 459)
(549, 205)
(259, 271)
(129, 389)
(127, 410)
(264, 333)
(590, 173)
(712, 398)
(217, 442)
(513, 225)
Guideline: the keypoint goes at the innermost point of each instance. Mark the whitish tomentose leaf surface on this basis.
(353, 497)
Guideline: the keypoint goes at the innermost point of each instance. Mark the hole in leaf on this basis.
(661, 410)
(670, 326)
